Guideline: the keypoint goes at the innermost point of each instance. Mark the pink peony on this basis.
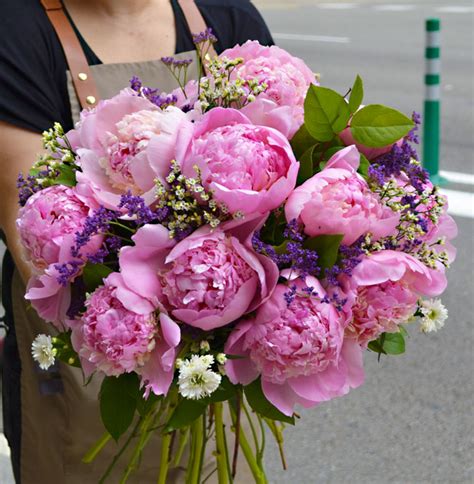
(251, 169)
(48, 297)
(49, 221)
(124, 144)
(207, 280)
(298, 349)
(383, 291)
(288, 78)
(338, 201)
(114, 336)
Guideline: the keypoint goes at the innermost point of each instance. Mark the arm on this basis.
(18, 150)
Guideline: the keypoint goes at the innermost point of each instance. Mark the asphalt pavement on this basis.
(412, 422)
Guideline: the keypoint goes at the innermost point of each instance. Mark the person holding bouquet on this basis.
(50, 418)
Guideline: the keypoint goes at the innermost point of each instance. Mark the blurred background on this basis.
(412, 421)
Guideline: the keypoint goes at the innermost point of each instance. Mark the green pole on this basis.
(431, 125)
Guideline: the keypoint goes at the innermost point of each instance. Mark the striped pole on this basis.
(431, 125)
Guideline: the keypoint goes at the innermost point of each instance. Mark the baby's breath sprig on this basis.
(419, 212)
(221, 89)
(56, 166)
(186, 204)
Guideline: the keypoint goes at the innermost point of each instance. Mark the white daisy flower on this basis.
(195, 379)
(434, 315)
(43, 351)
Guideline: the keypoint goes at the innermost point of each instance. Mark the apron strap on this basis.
(84, 85)
(195, 20)
(82, 79)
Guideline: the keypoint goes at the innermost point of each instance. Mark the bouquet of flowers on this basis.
(238, 242)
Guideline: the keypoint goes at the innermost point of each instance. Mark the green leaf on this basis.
(306, 165)
(262, 406)
(357, 94)
(377, 126)
(327, 247)
(394, 344)
(364, 166)
(388, 344)
(326, 113)
(376, 347)
(301, 141)
(94, 274)
(67, 176)
(185, 413)
(118, 402)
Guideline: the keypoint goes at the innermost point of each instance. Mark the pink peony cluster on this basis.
(48, 222)
(191, 228)
(338, 201)
(250, 169)
(123, 145)
(287, 78)
(298, 349)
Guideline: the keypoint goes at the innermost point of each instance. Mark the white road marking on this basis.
(457, 177)
(394, 8)
(460, 203)
(337, 6)
(311, 38)
(455, 9)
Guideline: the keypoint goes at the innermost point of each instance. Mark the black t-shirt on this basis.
(33, 86)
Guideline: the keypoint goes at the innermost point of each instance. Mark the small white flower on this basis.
(195, 379)
(43, 351)
(221, 358)
(204, 345)
(434, 315)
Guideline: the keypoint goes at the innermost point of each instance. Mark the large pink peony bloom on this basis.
(120, 333)
(338, 201)
(299, 350)
(288, 78)
(49, 221)
(251, 169)
(207, 280)
(124, 144)
(383, 291)
(48, 297)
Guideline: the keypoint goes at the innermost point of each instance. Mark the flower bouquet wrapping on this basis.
(238, 243)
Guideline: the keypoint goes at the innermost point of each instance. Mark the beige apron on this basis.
(60, 417)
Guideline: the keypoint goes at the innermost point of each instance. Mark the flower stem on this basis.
(183, 440)
(98, 446)
(278, 434)
(238, 413)
(257, 472)
(165, 452)
(194, 463)
(221, 448)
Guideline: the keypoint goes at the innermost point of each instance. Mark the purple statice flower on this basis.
(159, 99)
(113, 243)
(301, 260)
(136, 84)
(26, 188)
(99, 256)
(97, 223)
(290, 295)
(176, 63)
(68, 271)
(293, 231)
(136, 207)
(206, 36)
